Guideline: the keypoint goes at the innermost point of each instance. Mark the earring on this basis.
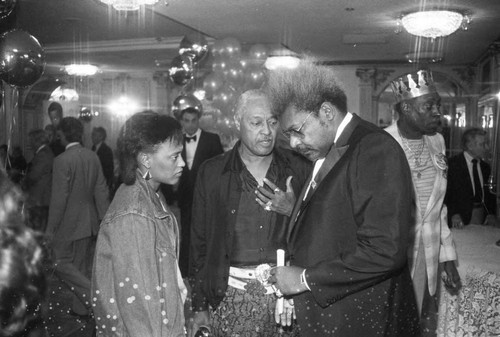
(147, 175)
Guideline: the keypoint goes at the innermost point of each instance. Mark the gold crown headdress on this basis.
(413, 85)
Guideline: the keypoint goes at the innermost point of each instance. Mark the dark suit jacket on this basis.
(105, 155)
(209, 146)
(351, 234)
(38, 179)
(460, 194)
(79, 197)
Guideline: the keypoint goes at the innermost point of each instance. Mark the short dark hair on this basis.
(305, 87)
(101, 131)
(469, 135)
(39, 136)
(143, 132)
(57, 107)
(72, 129)
(191, 111)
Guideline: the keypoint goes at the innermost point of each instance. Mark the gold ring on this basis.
(276, 190)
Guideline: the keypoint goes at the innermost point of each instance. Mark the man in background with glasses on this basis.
(349, 229)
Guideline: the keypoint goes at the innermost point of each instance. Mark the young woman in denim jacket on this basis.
(137, 289)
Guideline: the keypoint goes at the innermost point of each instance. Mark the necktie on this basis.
(188, 139)
(478, 190)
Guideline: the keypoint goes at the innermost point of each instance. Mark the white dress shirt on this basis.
(191, 148)
(468, 160)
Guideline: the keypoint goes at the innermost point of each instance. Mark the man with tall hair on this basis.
(55, 112)
(104, 153)
(38, 180)
(242, 201)
(418, 106)
(467, 200)
(199, 145)
(78, 202)
(349, 229)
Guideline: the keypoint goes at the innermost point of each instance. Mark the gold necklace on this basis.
(419, 164)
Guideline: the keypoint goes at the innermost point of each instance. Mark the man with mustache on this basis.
(350, 227)
(418, 105)
(241, 205)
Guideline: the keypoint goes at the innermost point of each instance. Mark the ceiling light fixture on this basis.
(434, 24)
(85, 69)
(128, 5)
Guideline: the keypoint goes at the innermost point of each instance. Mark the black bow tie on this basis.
(188, 139)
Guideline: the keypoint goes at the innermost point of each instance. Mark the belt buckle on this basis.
(262, 273)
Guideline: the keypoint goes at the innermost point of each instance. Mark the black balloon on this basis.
(181, 70)
(6, 7)
(194, 46)
(22, 58)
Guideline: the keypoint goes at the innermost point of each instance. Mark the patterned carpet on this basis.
(59, 322)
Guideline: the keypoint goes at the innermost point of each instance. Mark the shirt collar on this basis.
(197, 134)
(40, 148)
(468, 157)
(343, 124)
(72, 144)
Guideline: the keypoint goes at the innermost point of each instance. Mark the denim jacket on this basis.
(136, 286)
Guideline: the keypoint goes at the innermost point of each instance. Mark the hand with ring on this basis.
(272, 198)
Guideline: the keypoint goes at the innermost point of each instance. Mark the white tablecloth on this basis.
(475, 310)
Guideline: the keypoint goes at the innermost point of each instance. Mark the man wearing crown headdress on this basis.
(418, 105)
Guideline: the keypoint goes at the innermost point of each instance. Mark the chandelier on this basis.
(128, 5)
(434, 24)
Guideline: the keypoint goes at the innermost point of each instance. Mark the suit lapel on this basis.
(437, 180)
(465, 169)
(198, 150)
(335, 153)
(331, 159)
(297, 208)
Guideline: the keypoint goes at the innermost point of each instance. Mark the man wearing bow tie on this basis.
(349, 229)
(199, 145)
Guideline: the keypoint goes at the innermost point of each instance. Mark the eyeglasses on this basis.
(296, 132)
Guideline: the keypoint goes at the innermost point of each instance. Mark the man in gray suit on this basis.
(79, 201)
(38, 180)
